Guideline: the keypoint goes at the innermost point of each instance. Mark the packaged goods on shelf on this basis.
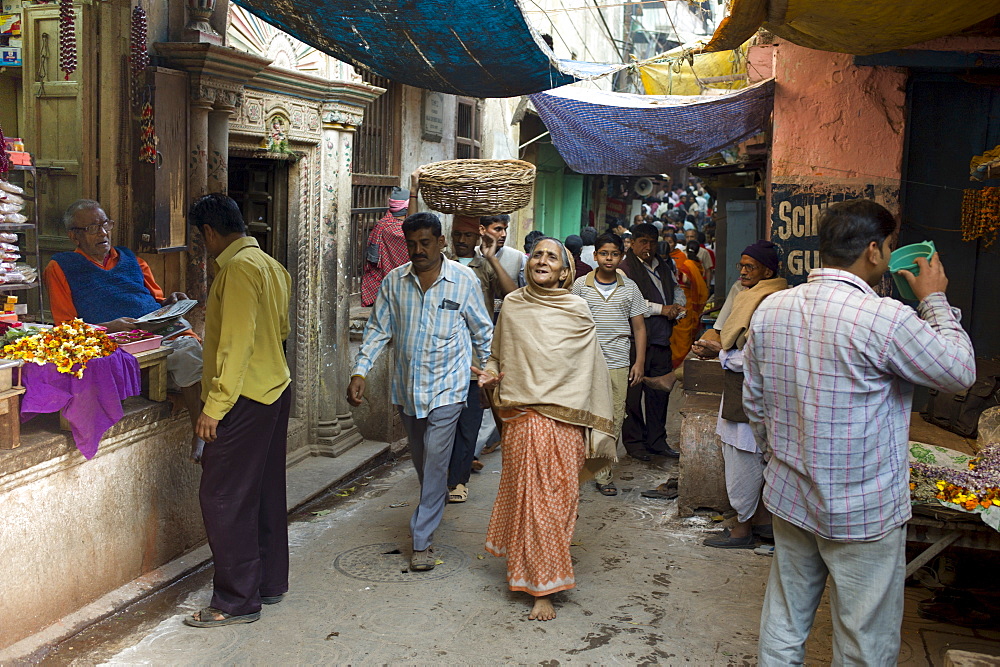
(29, 272)
(16, 218)
(6, 208)
(7, 186)
(11, 198)
(9, 238)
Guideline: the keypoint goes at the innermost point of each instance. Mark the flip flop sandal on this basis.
(421, 561)
(459, 494)
(727, 542)
(660, 493)
(608, 489)
(227, 619)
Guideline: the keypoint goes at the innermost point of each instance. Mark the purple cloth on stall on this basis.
(91, 404)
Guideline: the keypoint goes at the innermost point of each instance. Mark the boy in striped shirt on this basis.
(618, 308)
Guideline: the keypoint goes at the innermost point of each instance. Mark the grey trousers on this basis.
(431, 442)
(866, 597)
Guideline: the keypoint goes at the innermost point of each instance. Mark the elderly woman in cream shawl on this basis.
(552, 388)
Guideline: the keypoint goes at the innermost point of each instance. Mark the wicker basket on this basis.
(477, 187)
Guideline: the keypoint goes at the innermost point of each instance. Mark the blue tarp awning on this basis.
(479, 48)
(619, 134)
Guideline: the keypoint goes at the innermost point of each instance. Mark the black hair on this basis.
(702, 238)
(589, 235)
(488, 220)
(847, 228)
(613, 239)
(646, 230)
(422, 220)
(692, 249)
(219, 212)
(530, 239)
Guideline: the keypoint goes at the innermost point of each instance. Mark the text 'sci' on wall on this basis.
(795, 213)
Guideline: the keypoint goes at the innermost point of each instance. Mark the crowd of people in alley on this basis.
(572, 346)
(559, 353)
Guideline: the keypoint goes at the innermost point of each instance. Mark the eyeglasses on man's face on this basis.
(107, 226)
(749, 268)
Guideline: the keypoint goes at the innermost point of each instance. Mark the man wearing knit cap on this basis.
(386, 246)
(465, 238)
(744, 459)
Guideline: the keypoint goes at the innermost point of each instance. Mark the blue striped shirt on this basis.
(433, 335)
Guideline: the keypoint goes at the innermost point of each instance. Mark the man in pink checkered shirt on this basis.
(829, 373)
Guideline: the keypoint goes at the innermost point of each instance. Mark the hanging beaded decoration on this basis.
(147, 134)
(138, 54)
(981, 215)
(67, 37)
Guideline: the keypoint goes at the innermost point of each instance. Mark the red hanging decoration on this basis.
(67, 37)
(4, 158)
(138, 53)
(147, 134)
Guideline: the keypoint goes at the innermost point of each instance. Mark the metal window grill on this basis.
(468, 129)
(376, 163)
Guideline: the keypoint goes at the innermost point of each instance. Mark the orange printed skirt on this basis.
(535, 510)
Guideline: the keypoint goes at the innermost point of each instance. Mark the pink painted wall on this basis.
(838, 133)
(834, 121)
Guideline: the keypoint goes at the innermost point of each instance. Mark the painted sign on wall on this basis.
(795, 213)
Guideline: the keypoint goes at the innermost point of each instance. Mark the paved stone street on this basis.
(648, 592)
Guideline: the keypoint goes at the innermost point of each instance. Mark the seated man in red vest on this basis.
(111, 287)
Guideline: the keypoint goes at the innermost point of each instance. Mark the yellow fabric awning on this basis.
(858, 27)
(722, 70)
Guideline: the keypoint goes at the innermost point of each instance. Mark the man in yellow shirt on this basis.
(244, 422)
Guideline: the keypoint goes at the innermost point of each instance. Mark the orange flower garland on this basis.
(69, 346)
(979, 487)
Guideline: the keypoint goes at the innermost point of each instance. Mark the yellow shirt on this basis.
(246, 321)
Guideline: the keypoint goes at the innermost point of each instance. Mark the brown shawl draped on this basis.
(546, 346)
(734, 330)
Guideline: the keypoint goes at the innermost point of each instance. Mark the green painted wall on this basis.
(558, 195)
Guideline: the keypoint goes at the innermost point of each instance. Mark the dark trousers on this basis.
(242, 498)
(647, 432)
(466, 435)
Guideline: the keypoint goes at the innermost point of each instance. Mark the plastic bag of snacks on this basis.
(10, 187)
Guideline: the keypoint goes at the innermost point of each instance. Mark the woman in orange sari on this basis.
(553, 391)
(692, 281)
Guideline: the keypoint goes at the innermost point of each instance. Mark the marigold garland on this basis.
(69, 346)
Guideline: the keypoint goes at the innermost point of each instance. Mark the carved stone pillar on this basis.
(335, 429)
(196, 282)
(218, 140)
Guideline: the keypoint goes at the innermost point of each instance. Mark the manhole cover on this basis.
(389, 563)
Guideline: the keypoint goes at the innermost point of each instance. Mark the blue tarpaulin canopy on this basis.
(599, 132)
(480, 48)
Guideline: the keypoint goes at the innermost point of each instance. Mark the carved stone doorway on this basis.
(260, 187)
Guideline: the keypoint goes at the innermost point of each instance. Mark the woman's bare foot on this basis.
(661, 382)
(543, 609)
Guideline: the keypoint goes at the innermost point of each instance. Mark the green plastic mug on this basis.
(906, 258)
